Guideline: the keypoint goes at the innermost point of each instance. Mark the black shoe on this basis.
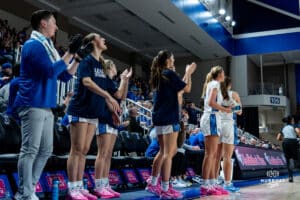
(291, 180)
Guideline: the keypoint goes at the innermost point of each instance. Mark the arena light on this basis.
(191, 2)
(233, 23)
(227, 18)
(222, 11)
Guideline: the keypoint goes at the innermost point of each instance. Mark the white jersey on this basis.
(210, 86)
(235, 107)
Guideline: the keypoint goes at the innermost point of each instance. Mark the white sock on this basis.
(165, 186)
(105, 182)
(79, 185)
(206, 182)
(72, 185)
(227, 182)
(211, 181)
(215, 181)
(154, 180)
(98, 183)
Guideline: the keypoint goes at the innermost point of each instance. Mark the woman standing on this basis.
(166, 85)
(228, 137)
(86, 106)
(108, 132)
(211, 127)
(290, 144)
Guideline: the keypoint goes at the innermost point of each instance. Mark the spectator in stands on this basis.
(108, 131)
(253, 142)
(6, 74)
(153, 148)
(41, 67)
(4, 91)
(166, 84)
(86, 106)
(290, 144)
(134, 123)
(243, 140)
(196, 139)
(193, 113)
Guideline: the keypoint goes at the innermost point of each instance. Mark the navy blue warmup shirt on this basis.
(165, 100)
(111, 88)
(86, 103)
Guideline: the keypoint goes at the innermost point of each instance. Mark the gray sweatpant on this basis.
(37, 145)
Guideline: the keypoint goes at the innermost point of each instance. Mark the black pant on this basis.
(290, 150)
(178, 165)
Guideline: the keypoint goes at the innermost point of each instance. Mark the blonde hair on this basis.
(108, 64)
(212, 75)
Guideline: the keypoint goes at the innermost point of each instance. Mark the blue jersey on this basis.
(152, 149)
(197, 140)
(165, 100)
(38, 77)
(86, 103)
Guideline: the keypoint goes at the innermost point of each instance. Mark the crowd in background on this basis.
(135, 118)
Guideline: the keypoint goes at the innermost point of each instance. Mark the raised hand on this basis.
(85, 50)
(75, 43)
(190, 69)
(129, 74)
(124, 74)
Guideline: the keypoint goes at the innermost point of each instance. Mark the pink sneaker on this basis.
(103, 193)
(154, 189)
(75, 195)
(88, 195)
(175, 192)
(208, 190)
(117, 194)
(221, 189)
(170, 194)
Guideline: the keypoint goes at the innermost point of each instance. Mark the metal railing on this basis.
(144, 114)
(269, 88)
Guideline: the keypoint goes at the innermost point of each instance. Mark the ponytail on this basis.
(207, 80)
(159, 63)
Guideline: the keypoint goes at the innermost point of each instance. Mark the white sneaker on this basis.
(178, 184)
(34, 197)
(18, 196)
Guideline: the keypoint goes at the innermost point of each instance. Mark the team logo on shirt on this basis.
(99, 73)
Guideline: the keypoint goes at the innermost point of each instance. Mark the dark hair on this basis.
(158, 64)
(224, 87)
(289, 119)
(87, 40)
(38, 16)
(16, 70)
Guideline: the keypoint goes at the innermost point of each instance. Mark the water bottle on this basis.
(55, 189)
(236, 108)
(85, 183)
